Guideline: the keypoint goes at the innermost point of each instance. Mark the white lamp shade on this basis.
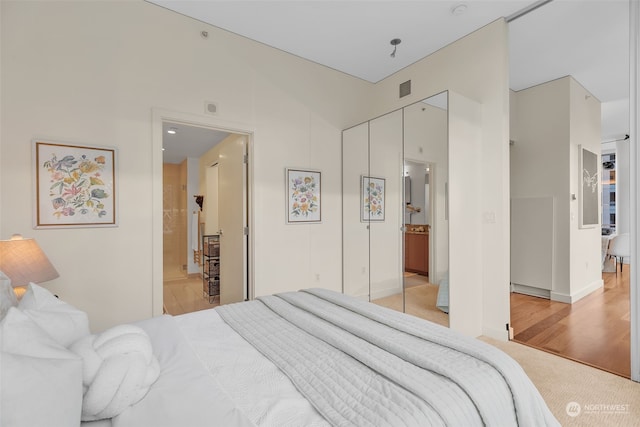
(23, 261)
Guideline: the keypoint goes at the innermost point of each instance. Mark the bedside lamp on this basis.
(23, 261)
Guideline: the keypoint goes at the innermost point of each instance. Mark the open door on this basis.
(232, 203)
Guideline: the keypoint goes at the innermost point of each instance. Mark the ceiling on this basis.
(187, 141)
(587, 39)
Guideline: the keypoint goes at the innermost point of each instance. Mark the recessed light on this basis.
(172, 131)
(459, 9)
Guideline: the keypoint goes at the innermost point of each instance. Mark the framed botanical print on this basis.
(372, 199)
(303, 196)
(75, 185)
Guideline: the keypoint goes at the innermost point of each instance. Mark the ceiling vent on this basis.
(405, 88)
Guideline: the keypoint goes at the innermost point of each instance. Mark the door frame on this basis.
(634, 110)
(159, 115)
(433, 231)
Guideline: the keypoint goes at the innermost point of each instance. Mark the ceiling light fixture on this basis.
(172, 131)
(395, 43)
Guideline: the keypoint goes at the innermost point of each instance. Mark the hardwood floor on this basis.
(185, 295)
(595, 330)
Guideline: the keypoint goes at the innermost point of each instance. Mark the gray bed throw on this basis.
(363, 365)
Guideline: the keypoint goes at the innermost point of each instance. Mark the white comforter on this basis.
(211, 376)
(185, 394)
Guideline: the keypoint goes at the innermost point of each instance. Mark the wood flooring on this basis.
(595, 330)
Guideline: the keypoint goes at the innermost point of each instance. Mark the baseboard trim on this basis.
(496, 334)
(577, 296)
(383, 293)
(531, 291)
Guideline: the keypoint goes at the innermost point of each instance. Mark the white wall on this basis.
(548, 122)
(585, 243)
(91, 73)
(540, 164)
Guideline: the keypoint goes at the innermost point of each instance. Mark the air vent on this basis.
(405, 88)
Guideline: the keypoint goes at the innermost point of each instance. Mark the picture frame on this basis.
(588, 188)
(304, 196)
(75, 185)
(372, 199)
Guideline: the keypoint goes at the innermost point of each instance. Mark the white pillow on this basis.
(41, 380)
(8, 297)
(63, 322)
(119, 368)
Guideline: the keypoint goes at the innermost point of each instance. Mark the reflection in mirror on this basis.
(426, 237)
(355, 232)
(372, 213)
(395, 231)
(385, 236)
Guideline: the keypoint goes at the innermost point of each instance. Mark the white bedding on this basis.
(211, 376)
(185, 394)
(255, 384)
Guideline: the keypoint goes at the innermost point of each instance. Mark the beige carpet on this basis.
(602, 399)
(594, 397)
(420, 301)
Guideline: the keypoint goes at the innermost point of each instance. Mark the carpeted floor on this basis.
(420, 300)
(595, 398)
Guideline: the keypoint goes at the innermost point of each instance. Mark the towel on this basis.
(195, 232)
(119, 368)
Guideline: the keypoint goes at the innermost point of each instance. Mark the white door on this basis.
(232, 209)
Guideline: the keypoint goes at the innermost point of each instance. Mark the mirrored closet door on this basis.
(426, 226)
(395, 231)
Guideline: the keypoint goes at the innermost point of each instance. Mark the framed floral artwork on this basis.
(75, 185)
(372, 199)
(303, 196)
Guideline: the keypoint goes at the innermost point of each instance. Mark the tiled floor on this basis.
(185, 295)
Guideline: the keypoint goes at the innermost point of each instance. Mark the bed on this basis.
(308, 358)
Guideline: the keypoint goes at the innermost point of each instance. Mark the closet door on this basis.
(385, 212)
(355, 233)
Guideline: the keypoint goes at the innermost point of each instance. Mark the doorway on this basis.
(191, 210)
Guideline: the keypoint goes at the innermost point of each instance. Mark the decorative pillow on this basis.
(65, 323)
(8, 297)
(119, 368)
(41, 381)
